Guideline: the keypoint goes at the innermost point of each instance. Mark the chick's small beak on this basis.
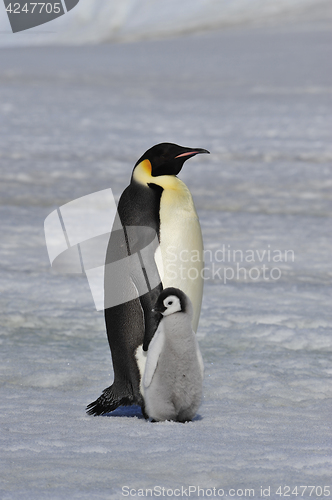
(156, 310)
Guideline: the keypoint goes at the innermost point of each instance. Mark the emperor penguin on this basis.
(158, 201)
(172, 381)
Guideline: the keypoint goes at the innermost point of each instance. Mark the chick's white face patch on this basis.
(172, 304)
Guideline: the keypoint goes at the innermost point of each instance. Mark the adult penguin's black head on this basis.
(167, 158)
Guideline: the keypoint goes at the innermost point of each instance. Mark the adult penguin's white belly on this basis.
(181, 242)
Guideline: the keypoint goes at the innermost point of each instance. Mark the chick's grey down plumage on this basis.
(173, 376)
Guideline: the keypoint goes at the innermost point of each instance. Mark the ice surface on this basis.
(75, 120)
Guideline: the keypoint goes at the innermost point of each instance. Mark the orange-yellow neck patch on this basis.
(142, 172)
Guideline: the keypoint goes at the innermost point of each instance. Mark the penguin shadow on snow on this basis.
(126, 411)
(135, 411)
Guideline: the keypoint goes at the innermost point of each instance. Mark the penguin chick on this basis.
(173, 375)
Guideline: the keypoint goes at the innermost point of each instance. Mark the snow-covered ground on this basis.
(75, 120)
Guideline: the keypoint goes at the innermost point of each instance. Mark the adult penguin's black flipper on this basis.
(151, 321)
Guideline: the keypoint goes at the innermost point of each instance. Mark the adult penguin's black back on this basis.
(155, 207)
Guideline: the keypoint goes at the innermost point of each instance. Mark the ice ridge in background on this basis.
(130, 20)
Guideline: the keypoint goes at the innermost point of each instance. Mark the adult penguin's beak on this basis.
(192, 152)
